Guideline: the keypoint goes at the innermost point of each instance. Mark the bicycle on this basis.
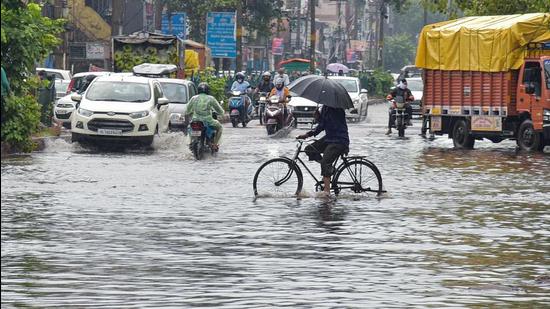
(283, 175)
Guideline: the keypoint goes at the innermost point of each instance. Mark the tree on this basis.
(488, 7)
(399, 51)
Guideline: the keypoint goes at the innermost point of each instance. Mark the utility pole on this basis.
(239, 62)
(313, 36)
(117, 17)
(299, 28)
(383, 16)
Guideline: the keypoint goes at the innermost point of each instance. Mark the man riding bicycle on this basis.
(332, 145)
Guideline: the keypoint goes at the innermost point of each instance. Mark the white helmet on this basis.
(266, 73)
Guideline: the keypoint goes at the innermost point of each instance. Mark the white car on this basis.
(416, 85)
(120, 108)
(178, 92)
(303, 110)
(357, 95)
(64, 106)
(58, 74)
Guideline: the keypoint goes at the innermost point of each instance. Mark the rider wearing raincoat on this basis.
(201, 107)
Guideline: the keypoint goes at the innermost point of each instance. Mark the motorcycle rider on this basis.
(403, 91)
(282, 93)
(265, 85)
(201, 107)
(281, 74)
(240, 84)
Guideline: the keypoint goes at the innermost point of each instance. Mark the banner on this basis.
(277, 46)
(177, 25)
(221, 34)
(351, 56)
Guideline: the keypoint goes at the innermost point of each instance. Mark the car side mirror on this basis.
(162, 101)
(364, 90)
(76, 97)
(530, 88)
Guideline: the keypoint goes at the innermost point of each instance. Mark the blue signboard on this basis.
(221, 34)
(179, 21)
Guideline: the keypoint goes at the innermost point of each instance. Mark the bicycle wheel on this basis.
(357, 177)
(276, 177)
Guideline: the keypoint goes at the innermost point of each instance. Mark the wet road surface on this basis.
(155, 228)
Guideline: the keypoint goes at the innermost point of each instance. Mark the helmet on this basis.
(203, 88)
(266, 73)
(279, 82)
(239, 75)
(403, 80)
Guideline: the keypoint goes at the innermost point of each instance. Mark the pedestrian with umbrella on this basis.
(332, 119)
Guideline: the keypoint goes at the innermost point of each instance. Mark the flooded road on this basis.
(86, 228)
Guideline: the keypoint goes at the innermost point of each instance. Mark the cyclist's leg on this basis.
(314, 150)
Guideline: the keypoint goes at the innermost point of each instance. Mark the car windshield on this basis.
(547, 73)
(415, 84)
(176, 93)
(119, 91)
(349, 84)
(61, 86)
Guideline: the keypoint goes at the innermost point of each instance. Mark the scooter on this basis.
(201, 137)
(399, 115)
(237, 112)
(275, 119)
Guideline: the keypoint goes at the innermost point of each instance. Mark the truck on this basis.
(488, 77)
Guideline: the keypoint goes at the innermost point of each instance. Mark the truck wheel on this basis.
(461, 136)
(528, 138)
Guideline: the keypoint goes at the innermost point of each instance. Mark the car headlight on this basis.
(141, 114)
(85, 112)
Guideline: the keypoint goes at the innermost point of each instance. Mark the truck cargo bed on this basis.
(470, 92)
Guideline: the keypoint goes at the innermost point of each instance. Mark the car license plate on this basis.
(305, 119)
(109, 132)
(61, 111)
(196, 133)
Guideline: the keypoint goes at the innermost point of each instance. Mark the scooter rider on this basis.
(282, 93)
(400, 91)
(201, 107)
(242, 85)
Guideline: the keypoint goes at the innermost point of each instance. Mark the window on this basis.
(119, 91)
(349, 84)
(547, 73)
(176, 93)
(531, 75)
(192, 90)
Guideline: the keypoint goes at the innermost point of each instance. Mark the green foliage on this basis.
(22, 119)
(488, 7)
(377, 82)
(27, 37)
(217, 84)
(399, 50)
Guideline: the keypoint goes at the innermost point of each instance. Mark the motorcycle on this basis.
(274, 116)
(400, 115)
(201, 138)
(262, 103)
(237, 111)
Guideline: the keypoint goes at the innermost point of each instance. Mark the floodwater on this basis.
(155, 228)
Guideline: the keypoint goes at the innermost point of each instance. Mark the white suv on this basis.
(120, 108)
(359, 98)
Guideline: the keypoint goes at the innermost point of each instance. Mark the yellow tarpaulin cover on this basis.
(485, 43)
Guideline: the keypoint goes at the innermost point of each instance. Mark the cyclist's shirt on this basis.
(333, 122)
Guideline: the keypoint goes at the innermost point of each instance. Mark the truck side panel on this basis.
(470, 92)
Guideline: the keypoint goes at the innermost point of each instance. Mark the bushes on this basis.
(377, 82)
(217, 85)
(22, 117)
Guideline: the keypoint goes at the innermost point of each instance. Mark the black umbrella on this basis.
(322, 90)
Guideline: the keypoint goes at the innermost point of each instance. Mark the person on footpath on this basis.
(201, 106)
(332, 145)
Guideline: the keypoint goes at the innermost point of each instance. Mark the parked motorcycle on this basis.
(400, 115)
(201, 137)
(274, 116)
(237, 106)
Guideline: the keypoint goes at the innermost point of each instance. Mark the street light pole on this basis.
(239, 60)
(313, 38)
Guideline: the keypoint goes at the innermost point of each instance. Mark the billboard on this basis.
(221, 34)
(176, 25)
(277, 46)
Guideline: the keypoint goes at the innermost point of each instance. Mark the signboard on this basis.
(221, 34)
(351, 56)
(486, 123)
(435, 123)
(176, 25)
(95, 50)
(277, 46)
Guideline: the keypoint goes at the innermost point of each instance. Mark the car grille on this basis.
(63, 116)
(302, 114)
(114, 124)
(309, 109)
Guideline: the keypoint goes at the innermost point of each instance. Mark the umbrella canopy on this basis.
(321, 90)
(336, 67)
